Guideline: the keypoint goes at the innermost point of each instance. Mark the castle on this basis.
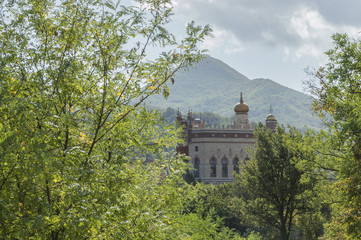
(216, 152)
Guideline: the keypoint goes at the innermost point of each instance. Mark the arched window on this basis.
(236, 165)
(213, 164)
(224, 167)
(196, 167)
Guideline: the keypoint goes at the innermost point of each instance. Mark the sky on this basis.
(273, 39)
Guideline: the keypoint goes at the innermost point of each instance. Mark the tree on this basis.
(219, 199)
(271, 189)
(74, 137)
(337, 91)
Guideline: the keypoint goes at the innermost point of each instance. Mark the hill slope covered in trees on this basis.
(213, 86)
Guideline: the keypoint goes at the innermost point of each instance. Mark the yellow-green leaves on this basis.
(78, 150)
(337, 89)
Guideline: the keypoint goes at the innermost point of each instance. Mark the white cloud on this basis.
(313, 31)
(223, 42)
(270, 22)
(308, 23)
(286, 52)
(286, 31)
(309, 49)
(268, 36)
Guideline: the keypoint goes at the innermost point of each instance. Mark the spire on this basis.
(190, 118)
(179, 114)
(241, 107)
(190, 115)
(270, 109)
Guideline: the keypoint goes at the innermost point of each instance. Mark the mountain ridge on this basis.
(213, 86)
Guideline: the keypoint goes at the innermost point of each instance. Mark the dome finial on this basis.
(241, 107)
(270, 116)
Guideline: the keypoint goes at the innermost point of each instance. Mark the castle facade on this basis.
(217, 152)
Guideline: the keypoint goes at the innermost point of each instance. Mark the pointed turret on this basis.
(271, 121)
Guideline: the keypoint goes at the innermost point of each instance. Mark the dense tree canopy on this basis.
(337, 91)
(74, 139)
(270, 188)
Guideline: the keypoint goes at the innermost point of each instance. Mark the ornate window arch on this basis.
(196, 167)
(224, 163)
(213, 166)
(236, 165)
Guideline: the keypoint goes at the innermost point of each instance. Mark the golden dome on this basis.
(241, 107)
(271, 117)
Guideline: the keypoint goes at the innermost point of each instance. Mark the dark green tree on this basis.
(219, 199)
(270, 188)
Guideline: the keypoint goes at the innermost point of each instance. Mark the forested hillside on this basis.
(213, 86)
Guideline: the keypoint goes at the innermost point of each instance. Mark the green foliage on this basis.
(74, 139)
(253, 236)
(271, 190)
(337, 89)
(169, 115)
(204, 218)
(221, 199)
(195, 226)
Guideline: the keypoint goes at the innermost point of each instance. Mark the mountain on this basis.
(213, 86)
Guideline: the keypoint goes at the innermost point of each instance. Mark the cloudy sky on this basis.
(274, 39)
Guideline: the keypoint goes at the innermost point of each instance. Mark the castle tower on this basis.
(271, 121)
(241, 119)
(179, 118)
(190, 118)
